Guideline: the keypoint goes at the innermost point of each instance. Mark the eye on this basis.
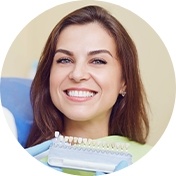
(98, 61)
(64, 61)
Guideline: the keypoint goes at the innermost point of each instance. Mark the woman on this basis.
(88, 81)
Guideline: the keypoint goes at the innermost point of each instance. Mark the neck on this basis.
(88, 129)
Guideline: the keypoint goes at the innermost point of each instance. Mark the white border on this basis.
(159, 14)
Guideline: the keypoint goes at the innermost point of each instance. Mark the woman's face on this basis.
(86, 75)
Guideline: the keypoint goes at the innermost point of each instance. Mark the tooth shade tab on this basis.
(56, 134)
(87, 154)
(76, 93)
(90, 143)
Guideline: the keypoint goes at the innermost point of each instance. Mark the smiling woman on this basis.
(80, 68)
(81, 75)
(88, 84)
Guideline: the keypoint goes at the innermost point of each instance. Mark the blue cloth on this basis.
(15, 97)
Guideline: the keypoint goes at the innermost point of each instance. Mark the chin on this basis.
(78, 118)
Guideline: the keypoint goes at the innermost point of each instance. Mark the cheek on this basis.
(56, 76)
(52, 87)
(55, 81)
(111, 80)
(111, 85)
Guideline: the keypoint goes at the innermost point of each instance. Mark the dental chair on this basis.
(15, 101)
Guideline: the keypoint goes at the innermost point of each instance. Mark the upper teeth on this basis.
(76, 93)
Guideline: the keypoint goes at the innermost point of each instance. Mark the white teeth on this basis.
(76, 93)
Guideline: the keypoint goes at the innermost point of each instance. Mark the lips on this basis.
(80, 93)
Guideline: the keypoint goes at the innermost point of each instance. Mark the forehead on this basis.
(87, 35)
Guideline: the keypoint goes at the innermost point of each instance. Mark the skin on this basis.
(85, 61)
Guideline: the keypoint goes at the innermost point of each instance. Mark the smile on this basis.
(80, 93)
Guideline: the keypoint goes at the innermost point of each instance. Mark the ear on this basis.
(123, 89)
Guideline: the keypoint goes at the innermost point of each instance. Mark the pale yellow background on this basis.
(155, 64)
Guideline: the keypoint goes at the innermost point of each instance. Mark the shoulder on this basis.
(136, 149)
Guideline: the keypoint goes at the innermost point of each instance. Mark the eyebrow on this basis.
(90, 53)
(64, 52)
(99, 52)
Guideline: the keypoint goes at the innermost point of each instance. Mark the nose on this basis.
(79, 73)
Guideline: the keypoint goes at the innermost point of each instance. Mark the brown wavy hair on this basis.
(128, 117)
